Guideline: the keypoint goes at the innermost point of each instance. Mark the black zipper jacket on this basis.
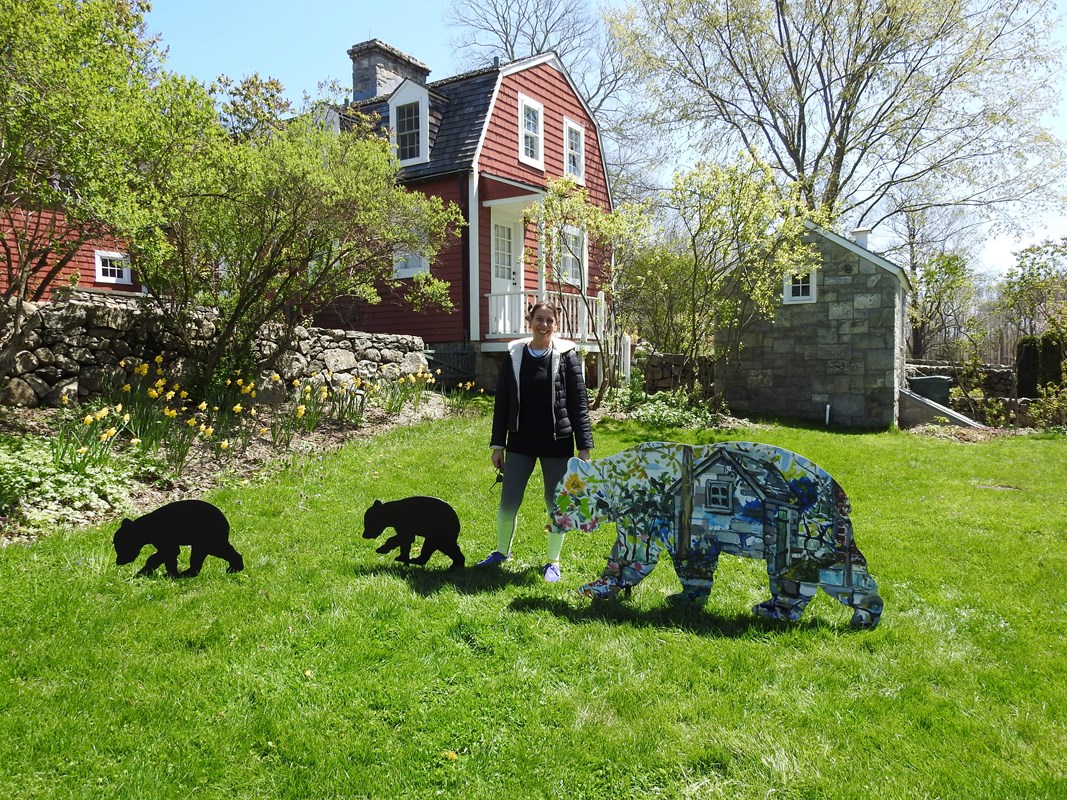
(570, 407)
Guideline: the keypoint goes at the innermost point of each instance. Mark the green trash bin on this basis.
(932, 387)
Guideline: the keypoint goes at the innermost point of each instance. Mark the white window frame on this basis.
(407, 94)
(102, 256)
(498, 251)
(408, 265)
(525, 103)
(793, 282)
(566, 258)
(570, 126)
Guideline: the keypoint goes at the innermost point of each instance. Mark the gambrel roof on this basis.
(459, 110)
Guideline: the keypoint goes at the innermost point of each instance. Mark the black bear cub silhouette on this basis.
(430, 517)
(196, 523)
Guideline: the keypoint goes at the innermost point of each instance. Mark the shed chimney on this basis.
(859, 236)
(377, 69)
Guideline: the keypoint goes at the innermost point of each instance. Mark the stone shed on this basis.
(835, 348)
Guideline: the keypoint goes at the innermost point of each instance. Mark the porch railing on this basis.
(507, 315)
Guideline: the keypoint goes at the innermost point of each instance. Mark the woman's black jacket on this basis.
(570, 407)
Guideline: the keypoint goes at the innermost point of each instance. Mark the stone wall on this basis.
(842, 354)
(665, 372)
(78, 345)
(996, 380)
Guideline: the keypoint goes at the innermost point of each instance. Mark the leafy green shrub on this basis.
(671, 410)
(1049, 410)
(37, 492)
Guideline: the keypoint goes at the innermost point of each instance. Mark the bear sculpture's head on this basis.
(127, 544)
(373, 522)
(581, 499)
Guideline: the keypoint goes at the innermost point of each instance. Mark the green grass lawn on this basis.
(326, 671)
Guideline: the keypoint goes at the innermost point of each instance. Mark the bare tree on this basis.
(850, 99)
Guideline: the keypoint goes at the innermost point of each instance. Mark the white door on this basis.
(505, 301)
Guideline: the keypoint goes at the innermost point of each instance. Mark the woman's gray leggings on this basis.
(517, 471)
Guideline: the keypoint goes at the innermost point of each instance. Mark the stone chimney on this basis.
(859, 236)
(377, 69)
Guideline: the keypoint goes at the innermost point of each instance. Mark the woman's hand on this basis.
(583, 454)
(497, 457)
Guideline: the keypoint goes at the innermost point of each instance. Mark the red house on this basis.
(487, 140)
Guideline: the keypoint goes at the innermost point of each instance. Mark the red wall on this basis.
(500, 156)
(392, 315)
(82, 264)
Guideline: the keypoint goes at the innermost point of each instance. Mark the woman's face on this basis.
(543, 323)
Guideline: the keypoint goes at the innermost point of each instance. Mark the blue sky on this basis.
(304, 43)
(300, 43)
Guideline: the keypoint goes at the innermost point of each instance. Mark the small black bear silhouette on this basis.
(196, 523)
(430, 517)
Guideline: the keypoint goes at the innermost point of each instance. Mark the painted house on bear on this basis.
(488, 141)
(835, 349)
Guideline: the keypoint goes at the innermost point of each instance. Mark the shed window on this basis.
(718, 495)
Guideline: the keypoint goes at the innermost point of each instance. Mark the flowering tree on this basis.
(727, 237)
(90, 128)
(283, 215)
(605, 236)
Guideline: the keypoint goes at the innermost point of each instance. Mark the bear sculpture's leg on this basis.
(401, 541)
(164, 555)
(451, 549)
(696, 570)
(632, 558)
(788, 600)
(224, 550)
(196, 562)
(860, 593)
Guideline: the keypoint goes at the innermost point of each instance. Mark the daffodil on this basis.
(300, 411)
(202, 406)
(159, 359)
(127, 388)
(224, 445)
(237, 409)
(135, 442)
(88, 419)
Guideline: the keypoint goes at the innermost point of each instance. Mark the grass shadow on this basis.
(675, 616)
(428, 581)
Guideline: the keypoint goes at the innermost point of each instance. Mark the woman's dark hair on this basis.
(534, 307)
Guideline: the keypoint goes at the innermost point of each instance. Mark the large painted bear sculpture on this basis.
(741, 498)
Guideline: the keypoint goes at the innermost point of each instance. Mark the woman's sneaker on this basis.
(552, 572)
(494, 558)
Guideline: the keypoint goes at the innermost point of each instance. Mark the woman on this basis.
(541, 413)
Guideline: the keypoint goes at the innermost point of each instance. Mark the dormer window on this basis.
(409, 108)
(407, 132)
(574, 150)
(531, 132)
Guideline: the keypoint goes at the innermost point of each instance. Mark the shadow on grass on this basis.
(428, 581)
(676, 616)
